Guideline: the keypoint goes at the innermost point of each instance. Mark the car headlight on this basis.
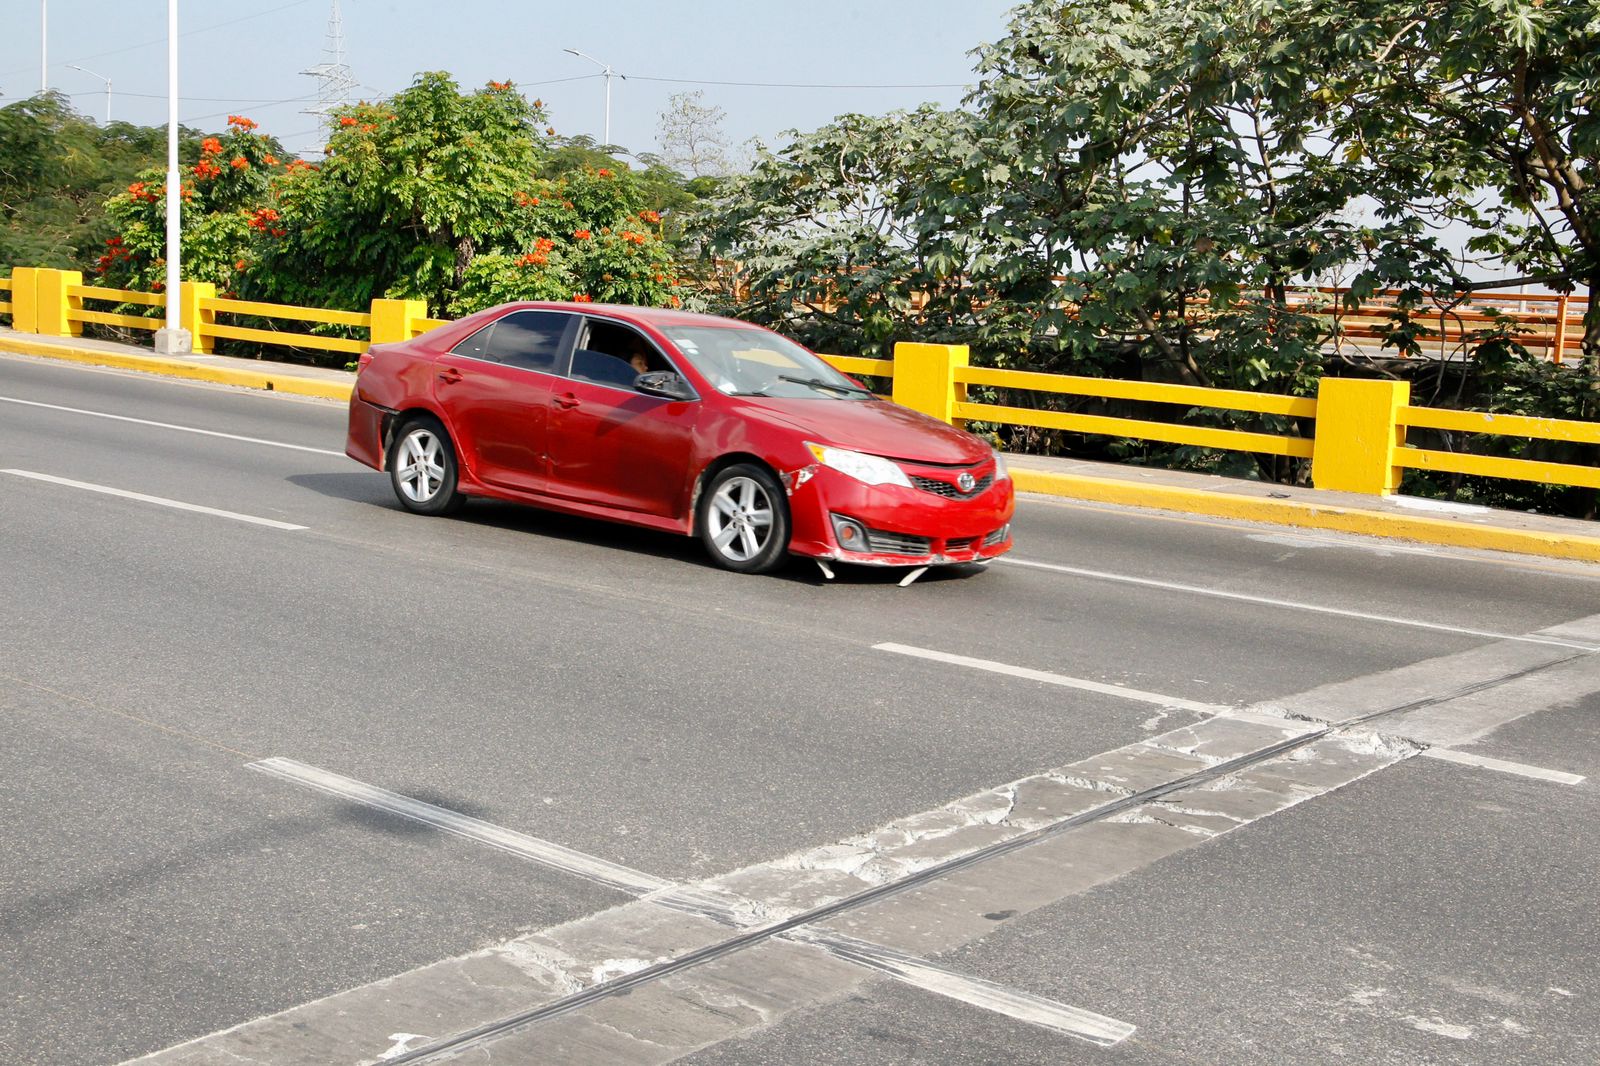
(869, 469)
(1000, 471)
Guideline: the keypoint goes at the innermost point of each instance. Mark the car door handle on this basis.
(567, 401)
(449, 377)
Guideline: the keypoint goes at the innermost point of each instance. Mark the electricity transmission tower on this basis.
(334, 80)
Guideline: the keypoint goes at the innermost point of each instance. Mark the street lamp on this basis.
(609, 74)
(103, 78)
(173, 339)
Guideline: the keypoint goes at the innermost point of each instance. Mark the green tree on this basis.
(57, 168)
(225, 177)
(1479, 111)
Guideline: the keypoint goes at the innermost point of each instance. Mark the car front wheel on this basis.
(744, 519)
(422, 468)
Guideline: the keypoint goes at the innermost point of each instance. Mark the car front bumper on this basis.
(903, 526)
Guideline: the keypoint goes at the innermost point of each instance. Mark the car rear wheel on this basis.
(744, 519)
(422, 468)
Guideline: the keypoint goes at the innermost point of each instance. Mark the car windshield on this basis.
(754, 362)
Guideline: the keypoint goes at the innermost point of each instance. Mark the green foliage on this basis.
(1134, 187)
(56, 170)
(227, 174)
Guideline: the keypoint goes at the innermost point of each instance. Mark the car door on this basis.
(611, 445)
(494, 390)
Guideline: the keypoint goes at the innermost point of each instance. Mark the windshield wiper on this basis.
(818, 383)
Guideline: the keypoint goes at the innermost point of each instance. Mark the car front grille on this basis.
(965, 544)
(947, 489)
(897, 543)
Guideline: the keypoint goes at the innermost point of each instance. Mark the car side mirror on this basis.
(663, 383)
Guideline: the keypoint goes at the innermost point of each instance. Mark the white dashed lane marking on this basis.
(171, 426)
(543, 852)
(1139, 695)
(1295, 605)
(160, 501)
(1504, 766)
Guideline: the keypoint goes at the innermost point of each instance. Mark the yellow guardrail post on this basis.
(194, 318)
(53, 306)
(1358, 432)
(24, 287)
(397, 320)
(925, 378)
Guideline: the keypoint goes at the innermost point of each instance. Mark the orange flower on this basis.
(240, 163)
(544, 244)
(676, 302)
(240, 122)
(581, 234)
(604, 173)
(582, 298)
(347, 120)
(650, 216)
(239, 265)
(210, 146)
(270, 160)
(533, 259)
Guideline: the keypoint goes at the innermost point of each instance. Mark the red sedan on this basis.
(689, 423)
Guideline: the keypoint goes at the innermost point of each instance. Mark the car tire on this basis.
(422, 467)
(744, 519)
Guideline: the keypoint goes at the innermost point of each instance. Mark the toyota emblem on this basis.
(965, 482)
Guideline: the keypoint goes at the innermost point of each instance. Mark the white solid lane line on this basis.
(162, 501)
(993, 667)
(1268, 601)
(169, 425)
(1504, 766)
(543, 852)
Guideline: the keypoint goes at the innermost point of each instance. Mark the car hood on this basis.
(873, 426)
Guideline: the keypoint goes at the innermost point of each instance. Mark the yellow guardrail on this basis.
(1188, 396)
(52, 303)
(1551, 429)
(1359, 443)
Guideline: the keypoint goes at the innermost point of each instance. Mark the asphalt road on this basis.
(608, 691)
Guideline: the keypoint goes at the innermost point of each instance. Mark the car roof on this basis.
(658, 317)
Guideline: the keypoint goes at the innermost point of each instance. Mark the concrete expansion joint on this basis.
(1089, 784)
(1142, 816)
(1190, 751)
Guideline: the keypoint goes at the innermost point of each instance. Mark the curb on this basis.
(1071, 486)
(178, 368)
(1309, 515)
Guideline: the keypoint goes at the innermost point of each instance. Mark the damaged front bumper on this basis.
(836, 517)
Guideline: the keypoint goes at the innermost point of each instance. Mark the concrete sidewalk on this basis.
(1400, 517)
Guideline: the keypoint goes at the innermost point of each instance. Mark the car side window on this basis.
(477, 345)
(613, 354)
(531, 340)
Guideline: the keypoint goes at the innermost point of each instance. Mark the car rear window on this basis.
(527, 339)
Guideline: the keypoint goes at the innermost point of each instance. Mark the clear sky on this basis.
(244, 57)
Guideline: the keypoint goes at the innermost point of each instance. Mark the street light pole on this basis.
(173, 339)
(609, 74)
(103, 78)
